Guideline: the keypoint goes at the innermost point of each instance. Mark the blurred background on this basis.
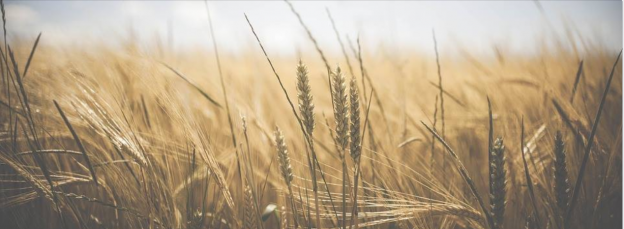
(519, 26)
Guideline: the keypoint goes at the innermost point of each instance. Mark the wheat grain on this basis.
(497, 182)
(249, 218)
(304, 94)
(562, 186)
(341, 109)
(283, 158)
(356, 145)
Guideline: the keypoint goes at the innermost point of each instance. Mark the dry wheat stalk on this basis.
(562, 186)
(356, 147)
(497, 182)
(304, 94)
(306, 107)
(284, 159)
(356, 141)
(285, 168)
(341, 109)
(341, 115)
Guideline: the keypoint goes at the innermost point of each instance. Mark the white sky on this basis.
(517, 25)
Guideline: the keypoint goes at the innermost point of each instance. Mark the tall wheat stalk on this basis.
(561, 186)
(497, 182)
(341, 115)
(306, 108)
(285, 169)
(356, 142)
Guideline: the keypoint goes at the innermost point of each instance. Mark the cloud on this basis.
(20, 14)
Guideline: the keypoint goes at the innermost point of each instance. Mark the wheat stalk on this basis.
(284, 159)
(341, 116)
(285, 167)
(497, 182)
(304, 94)
(306, 108)
(356, 142)
(562, 186)
(341, 109)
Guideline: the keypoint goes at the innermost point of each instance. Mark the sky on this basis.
(397, 25)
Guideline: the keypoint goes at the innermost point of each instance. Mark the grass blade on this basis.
(78, 142)
(579, 179)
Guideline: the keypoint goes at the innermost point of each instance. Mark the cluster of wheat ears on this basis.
(121, 139)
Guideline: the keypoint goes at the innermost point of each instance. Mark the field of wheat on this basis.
(134, 138)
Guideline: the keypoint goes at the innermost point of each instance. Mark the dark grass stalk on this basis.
(528, 176)
(605, 177)
(464, 173)
(566, 118)
(590, 142)
(78, 142)
(146, 113)
(128, 167)
(32, 54)
(576, 80)
(202, 92)
(31, 124)
(41, 163)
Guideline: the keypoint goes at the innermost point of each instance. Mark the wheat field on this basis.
(139, 138)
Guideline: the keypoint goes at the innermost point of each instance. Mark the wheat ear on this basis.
(356, 145)
(562, 186)
(249, 218)
(356, 141)
(306, 108)
(285, 168)
(341, 115)
(497, 182)
(341, 109)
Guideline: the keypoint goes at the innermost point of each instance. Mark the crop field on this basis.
(136, 137)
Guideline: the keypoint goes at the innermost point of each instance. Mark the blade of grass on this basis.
(30, 57)
(78, 142)
(579, 179)
(464, 173)
(576, 81)
(194, 86)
